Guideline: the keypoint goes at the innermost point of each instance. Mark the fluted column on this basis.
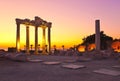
(44, 41)
(27, 40)
(97, 35)
(36, 40)
(18, 37)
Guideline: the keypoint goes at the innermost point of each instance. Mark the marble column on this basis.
(27, 40)
(44, 41)
(97, 35)
(36, 40)
(49, 39)
(18, 37)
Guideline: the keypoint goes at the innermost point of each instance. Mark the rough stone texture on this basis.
(69, 53)
(20, 57)
(97, 55)
(17, 57)
(62, 53)
(2, 54)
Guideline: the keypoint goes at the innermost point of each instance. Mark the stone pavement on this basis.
(38, 71)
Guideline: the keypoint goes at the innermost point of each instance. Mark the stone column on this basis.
(36, 40)
(18, 37)
(27, 40)
(49, 39)
(97, 35)
(43, 41)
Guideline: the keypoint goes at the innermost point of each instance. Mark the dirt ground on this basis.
(29, 71)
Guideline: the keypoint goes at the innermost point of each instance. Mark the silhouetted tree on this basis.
(103, 37)
(116, 40)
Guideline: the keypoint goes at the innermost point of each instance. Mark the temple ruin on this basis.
(37, 23)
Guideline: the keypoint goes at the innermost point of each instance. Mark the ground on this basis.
(29, 71)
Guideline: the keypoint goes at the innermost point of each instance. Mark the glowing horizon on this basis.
(71, 20)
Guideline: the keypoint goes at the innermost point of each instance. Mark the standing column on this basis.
(27, 40)
(43, 41)
(49, 39)
(18, 37)
(97, 35)
(36, 40)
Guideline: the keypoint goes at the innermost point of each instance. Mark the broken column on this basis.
(97, 35)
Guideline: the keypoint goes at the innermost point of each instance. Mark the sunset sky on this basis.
(71, 20)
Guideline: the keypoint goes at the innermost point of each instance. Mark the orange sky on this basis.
(71, 19)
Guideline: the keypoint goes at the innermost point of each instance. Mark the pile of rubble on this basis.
(102, 54)
(21, 57)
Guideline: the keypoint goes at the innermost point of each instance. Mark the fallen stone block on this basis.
(107, 72)
(117, 66)
(35, 60)
(73, 66)
(51, 63)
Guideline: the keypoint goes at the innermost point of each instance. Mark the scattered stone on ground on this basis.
(108, 72)
(73, 66)
(35, 60)
(21, 57)
(28, 71)
(116, 66)
(51, 63)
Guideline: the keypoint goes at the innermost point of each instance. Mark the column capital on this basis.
(43, 27)
(27, 26)
(49, 24)
(18, 21)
